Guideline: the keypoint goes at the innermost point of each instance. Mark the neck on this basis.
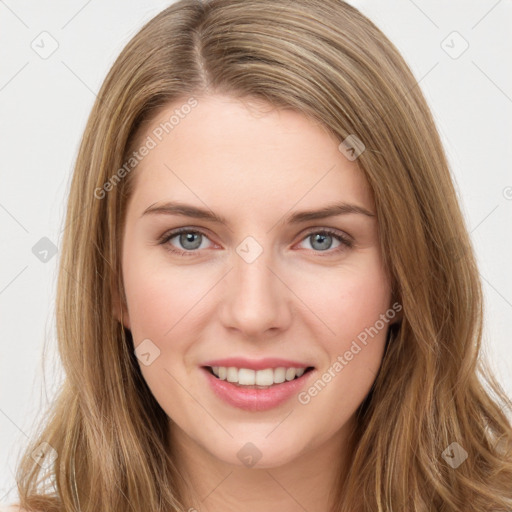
(305, 483)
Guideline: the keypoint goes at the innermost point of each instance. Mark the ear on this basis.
(119, 307)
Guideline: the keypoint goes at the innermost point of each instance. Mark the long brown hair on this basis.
(326, 60)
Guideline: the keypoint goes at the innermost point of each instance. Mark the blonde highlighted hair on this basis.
(326, 60)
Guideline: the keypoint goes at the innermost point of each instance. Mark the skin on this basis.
(254, 165)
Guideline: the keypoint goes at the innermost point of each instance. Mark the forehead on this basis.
(224, 151)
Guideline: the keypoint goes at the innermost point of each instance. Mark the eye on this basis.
(188, 241)
(322, 240)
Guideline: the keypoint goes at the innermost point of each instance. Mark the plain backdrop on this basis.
(54, 57)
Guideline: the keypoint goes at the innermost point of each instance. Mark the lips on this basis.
(257, 364)
(245, 384)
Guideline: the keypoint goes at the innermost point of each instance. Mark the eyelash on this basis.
(346, 243)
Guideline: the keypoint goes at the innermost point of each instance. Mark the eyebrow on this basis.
(186, 210)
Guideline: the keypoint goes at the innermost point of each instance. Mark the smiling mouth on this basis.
(257, 379)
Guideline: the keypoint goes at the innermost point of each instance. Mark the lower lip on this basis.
(256, 399)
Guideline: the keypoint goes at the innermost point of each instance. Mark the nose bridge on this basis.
(255, 300)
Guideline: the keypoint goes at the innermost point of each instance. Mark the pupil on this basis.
(188, 238)
(322, 238)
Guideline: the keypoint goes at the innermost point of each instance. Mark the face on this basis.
(223, 268)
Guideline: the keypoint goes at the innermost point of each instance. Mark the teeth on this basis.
(290, 373)
(232, 375)
(262, 377)
(266, 377)
(246, 377)
(279, 375)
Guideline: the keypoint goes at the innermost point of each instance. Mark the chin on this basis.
(256, 452)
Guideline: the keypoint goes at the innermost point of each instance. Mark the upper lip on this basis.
(257, 364)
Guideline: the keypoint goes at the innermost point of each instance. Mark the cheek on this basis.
(161, 308)
(360, 302)
(354, 310)
(158, 295)
(356, 307)
(348, 300)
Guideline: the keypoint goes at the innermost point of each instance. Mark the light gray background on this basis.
(44, 104)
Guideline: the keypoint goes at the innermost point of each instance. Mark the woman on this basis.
(267, 295)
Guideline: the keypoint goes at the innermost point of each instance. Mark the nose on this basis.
(256, 300)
